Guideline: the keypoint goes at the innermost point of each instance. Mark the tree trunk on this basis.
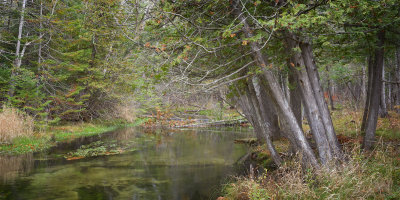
(330, 92)
(10, 15)
(277, 95)
(270, 110)
(255, 112)
(282, 77)
(389, 103)
(312, 71)
(18, 56)
(363, 85)
(368, 97)
(311, 107)
(40, 69)
(295, 95)
(247, 106)
(397, 78)
(265, 120)
(287, 113)
(373, 108)
(383, 109)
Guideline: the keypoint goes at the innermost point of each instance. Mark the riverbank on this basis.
(42, 140)
(169, 118)
(372, 175)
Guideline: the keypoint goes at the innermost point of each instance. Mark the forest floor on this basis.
(51, 136)
(371, 175)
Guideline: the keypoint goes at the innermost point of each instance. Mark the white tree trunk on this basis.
(18, 53)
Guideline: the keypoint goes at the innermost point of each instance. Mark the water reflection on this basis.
(12, 166)
(177, 164)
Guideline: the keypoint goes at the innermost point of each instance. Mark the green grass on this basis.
(61, 133)
(88, 130)
(26, 145)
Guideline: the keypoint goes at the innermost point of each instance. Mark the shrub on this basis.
(13, 123)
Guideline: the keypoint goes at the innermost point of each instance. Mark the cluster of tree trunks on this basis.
(306, 79)
(273, 113)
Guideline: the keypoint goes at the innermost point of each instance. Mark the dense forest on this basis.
(281, 65)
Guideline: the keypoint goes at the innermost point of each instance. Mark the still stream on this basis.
(154, 164)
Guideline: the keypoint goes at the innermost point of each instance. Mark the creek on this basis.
(129, 163)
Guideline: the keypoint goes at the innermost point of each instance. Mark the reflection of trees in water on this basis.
(168, 164)
(192, 162)
(11, 166)
(124, 134)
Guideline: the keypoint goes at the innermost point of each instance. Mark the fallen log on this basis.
(216, 123)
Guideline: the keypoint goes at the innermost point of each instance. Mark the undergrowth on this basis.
(361, 176)
(14, 124)
(371, 175)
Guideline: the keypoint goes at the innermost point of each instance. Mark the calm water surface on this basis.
(173, 164)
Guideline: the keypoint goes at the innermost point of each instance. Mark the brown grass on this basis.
(14, 123)
(360, 177)
(126, 112)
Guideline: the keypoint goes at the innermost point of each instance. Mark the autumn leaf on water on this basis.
(75, 158)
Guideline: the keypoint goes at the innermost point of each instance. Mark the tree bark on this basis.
(363, 85)
(277, 95)
(389, 102)
(397, 78)
(265, 120)
(295, 95)
(269, 108)
(330, 92)
(10, 15)
(383, 108)
(255, 112)
(283, 81)
(311, 107)
(248, 110)
(368, 97)
(312, 72)
(373, 108)
(18, 53)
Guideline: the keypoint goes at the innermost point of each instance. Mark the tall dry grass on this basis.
(126, 112)
(360, 177)
(14, 123)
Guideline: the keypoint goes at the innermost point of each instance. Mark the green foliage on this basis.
(80, 73)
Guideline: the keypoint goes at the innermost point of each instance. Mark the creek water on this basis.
(155, 164)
